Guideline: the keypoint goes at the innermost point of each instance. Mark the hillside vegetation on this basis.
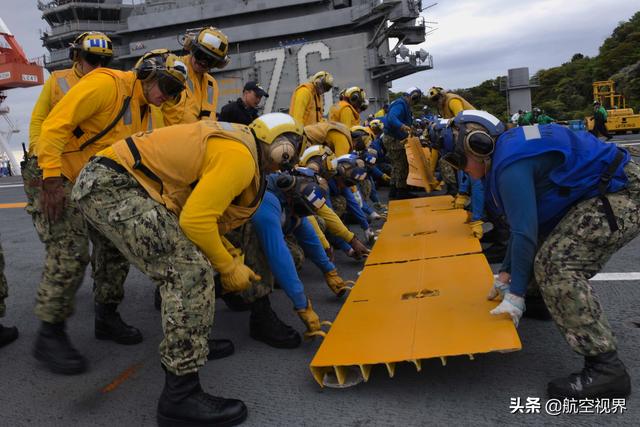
(565, 91)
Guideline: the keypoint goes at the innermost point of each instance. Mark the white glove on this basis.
(374, 216)
(370, 235)
(512, 305)
(498, 289)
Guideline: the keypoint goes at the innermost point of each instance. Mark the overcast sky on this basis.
(476, 40)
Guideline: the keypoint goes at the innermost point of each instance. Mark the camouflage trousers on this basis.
(67, 254)
(245, 238)
(449, 177)
(254, 257)
(365, 189)
(4, 288)
(149, 236)
(398, 158)
(575, 251)
(339, 205)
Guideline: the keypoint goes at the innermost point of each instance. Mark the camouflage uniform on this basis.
(398, 158)
(339, 205)
(297, 253)
(67, 254)
(575, 251)
(149, 236)
(246, 239)
(449, 177)
(4, 288)
(365, 189)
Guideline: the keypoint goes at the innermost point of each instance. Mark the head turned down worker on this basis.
(307, 102)
(90, 50)
(571, 201)
(207, 49)
(104, 106)
(185, 186)
(397, 128)
(347, 110)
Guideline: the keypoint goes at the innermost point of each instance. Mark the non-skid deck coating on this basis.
(421, 295)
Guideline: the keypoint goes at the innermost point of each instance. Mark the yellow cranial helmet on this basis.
(209, 47)
(323, 78)
(434, 92)
(376, 125)
(355, 96)
(319, 158)
(166, 68)
(361, 137)
(281, 135)
(92, 46)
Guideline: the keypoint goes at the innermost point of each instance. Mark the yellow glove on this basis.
(476, 229)
(435, 185)
(312, 322)
(336, 284)
(461, 201)
(237, 277)
(386, 178)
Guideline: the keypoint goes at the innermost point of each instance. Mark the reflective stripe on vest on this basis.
(210, 92)
(63, 84)
(127, 119)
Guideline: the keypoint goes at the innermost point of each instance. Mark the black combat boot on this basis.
(8, 335)
(219, 349)
(110, 326)
(603, 376)
(183, 403)
(265, 326)
(536, 308)
(235, 302)
(393, 192)
(403, 193)
(54, 349)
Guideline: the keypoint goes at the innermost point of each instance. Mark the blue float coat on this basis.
(399, 114)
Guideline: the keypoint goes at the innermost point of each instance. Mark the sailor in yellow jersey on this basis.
(104, 106)
(347, 110)
(320, 158)
(449, 105)
(307, 103)
(165, 199)
(207, 49)
(87, 53)
(334, 135)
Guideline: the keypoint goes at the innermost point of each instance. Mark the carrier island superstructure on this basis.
(276, 42)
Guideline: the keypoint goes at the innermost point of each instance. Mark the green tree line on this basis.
(566, 91)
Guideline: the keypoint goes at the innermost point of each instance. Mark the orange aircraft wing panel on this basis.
(412, 311)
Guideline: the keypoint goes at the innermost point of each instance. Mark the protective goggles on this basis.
(169, 86)
(95, 60)
(206, 60)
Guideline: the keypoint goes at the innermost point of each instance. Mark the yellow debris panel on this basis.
(420, 229)
(421, 295)
(419, 160)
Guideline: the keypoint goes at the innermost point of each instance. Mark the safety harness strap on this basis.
(605, 179)
(103, 132)
(137, 163)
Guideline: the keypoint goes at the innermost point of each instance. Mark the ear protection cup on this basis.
(286, 182)
(147, 70)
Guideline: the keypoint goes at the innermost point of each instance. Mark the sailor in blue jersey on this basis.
(571, 202)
